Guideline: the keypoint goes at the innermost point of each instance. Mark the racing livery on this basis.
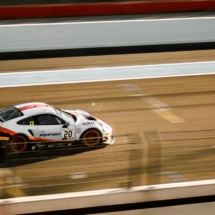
(43, 125)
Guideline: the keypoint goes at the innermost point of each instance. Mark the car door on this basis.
(49, 127)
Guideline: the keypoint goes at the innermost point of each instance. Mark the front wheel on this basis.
(18, 143)
(91, 137)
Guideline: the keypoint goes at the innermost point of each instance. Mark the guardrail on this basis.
(109, 34)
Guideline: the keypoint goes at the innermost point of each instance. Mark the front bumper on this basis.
(109, 140)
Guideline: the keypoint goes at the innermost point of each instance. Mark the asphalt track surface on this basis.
(182, 106)
(105, 61)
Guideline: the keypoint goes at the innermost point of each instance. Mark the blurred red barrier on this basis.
(95, 9)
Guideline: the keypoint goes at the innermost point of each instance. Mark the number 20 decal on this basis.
(67, 134)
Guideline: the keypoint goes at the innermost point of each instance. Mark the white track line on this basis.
(161, 108)
(112, 67)
(108, 21)
(106, 74)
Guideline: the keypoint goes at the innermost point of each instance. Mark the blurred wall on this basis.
(68, 8)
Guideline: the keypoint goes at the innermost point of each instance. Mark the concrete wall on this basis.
(55, 36)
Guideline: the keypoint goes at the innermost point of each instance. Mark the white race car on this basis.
(43, 125)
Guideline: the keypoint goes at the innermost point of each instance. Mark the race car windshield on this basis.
(68, 118)
(10, 113)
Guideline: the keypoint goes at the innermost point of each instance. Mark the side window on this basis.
(27, 121)
(49, 119)
(10, 113)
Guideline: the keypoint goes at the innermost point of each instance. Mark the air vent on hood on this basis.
(89, 117)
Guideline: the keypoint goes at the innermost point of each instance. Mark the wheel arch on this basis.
(13, 147)
(88, 142)
(19, 134)
(90, 129)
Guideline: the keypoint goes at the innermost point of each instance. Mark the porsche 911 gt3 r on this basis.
(42, 125)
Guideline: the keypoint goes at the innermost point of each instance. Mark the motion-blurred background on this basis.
(163, 118)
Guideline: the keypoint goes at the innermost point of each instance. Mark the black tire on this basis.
(91, 137)
(18, 143)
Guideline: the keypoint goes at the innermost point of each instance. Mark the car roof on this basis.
(34, 108)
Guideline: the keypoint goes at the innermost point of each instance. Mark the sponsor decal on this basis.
(4, 138)
(100, 124)
(48, 135)
(88, 123)
(31, 123)
(78, 130)
(41, 146)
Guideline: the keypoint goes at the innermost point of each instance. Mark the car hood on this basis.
(75, 111)
(80, 115)
(83, 116)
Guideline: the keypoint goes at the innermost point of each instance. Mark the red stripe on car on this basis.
(7, 131)
(33, 106)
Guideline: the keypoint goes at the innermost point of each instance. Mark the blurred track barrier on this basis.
(187, 155)
(153, 157)
(103, 8)
(83, 178)
(58, 169)
(172, 156)
(177, 156)
(116, 200)
(10, 185)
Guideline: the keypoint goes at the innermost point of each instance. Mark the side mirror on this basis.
(65, 125)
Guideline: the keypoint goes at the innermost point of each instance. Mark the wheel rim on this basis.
(18, 144)
(91, 138)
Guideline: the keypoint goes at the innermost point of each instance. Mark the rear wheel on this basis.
(92, 137)
(18, 143)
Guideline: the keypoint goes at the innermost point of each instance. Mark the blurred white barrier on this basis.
(107, 197)
(18, 79)
(54, 36)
